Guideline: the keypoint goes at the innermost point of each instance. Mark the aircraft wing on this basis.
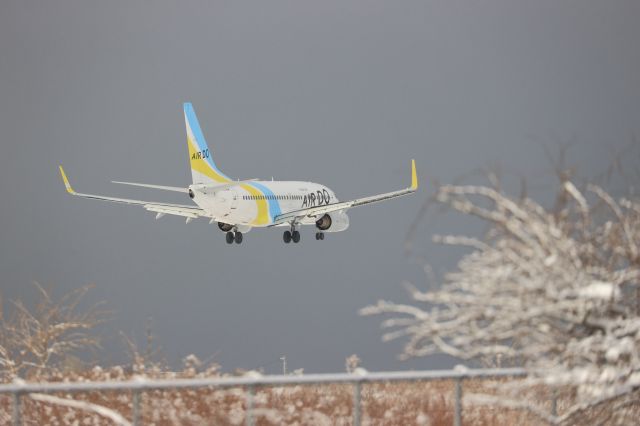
(190, 212)
(321, 210)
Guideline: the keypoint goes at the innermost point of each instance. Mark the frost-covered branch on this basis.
(100, 410)
(555, 291)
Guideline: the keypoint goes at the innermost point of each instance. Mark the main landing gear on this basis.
(234, 236)
(289, 236)
(294, 235)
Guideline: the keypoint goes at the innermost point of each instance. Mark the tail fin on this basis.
(203, 168)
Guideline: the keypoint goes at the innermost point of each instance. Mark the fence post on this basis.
(356, 403)
(136, 408)
(250, 393)
(457, 415)
(17, 415)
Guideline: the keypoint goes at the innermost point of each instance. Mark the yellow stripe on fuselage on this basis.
(262, 217)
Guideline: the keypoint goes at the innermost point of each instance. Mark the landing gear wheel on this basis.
(319, 236)
(322, 235)
(229, 237)
(295, 236)
(286, 237)
(238, 237)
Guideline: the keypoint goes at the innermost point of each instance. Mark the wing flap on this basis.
(176, 211)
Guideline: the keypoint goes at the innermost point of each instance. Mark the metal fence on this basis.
(138, 386)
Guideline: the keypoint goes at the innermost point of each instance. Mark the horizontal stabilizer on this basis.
(146, 185)
(222, 187)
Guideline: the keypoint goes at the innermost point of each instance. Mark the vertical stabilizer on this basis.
(203, 168)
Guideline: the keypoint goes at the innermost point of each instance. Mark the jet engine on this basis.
(333, 222)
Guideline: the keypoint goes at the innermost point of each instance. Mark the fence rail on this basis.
(140, 385)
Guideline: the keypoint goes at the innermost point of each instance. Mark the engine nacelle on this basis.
(225, 227)
(333, 222)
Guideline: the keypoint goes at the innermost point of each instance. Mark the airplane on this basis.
(237, 206)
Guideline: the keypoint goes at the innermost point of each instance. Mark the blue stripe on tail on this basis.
(190, 113)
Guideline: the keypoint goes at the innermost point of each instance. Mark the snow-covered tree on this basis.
(556, 291)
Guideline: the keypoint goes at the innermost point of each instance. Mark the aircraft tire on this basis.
(238, 237)
(286, 237)
(295, 236)
(229, 237)
(322, 235)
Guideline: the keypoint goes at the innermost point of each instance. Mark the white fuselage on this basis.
(259, 203)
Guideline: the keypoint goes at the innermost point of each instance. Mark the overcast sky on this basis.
(339, 92)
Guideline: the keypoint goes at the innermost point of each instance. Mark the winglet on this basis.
(414, 176)
(66, 181)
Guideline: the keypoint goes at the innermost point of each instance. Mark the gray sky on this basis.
(338, 92)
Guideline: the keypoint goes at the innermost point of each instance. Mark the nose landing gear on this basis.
(319, 235)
